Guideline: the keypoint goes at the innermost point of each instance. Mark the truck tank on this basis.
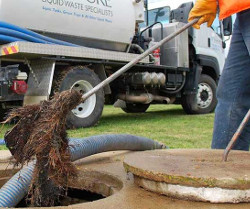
(103, 24)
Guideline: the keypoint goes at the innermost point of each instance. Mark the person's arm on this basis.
(206, 10)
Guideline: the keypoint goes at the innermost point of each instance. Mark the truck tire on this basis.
(3, 114)
(135, 108)
(205, 101)
(82, 79)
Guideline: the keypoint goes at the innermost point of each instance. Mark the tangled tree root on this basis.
(41, 133)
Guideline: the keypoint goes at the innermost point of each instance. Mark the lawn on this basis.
(165, 123)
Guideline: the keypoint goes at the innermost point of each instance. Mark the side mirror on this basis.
(227, 26)
(181, 13)
(160, 14)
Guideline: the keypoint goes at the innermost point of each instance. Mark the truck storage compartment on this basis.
(175, 52)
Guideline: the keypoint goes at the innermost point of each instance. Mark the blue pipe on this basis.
(81, 148)
(16, 34)
(8, 39)
(16, 188)
(33, 34)
(2, 142)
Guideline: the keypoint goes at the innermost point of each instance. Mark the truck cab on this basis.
(205, 51)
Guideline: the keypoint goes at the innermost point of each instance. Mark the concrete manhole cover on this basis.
(193, 174)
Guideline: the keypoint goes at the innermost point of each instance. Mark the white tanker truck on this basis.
(78, 43)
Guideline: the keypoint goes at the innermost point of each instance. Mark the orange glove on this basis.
(206, 10)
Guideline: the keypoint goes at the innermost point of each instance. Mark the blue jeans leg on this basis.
(233, 91)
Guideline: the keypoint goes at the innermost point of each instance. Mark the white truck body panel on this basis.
(201, 44)
(99, 20)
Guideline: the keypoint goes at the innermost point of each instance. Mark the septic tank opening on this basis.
(89, 186)
(74, 196)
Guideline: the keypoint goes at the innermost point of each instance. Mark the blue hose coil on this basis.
(16, 188)
(32, 34)
(8, 39)
(81, 148)
(22, 36)
(2, 142)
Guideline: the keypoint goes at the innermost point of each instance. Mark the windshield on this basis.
(157, 15)
(216, 25)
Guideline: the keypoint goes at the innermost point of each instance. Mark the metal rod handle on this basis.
(236, 136)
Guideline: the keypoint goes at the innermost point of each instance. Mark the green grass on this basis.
(3, 129)
(165, 123)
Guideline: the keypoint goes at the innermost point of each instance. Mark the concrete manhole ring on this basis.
(99, 184)
(198, 175)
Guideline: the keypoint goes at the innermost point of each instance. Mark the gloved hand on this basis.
(205, 10)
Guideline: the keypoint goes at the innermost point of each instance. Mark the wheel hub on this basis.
(84, 109)
(204, 96)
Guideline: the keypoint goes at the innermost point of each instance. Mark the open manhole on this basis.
(74, 196)
(88, 187)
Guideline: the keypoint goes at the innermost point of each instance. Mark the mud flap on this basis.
(191, 86)
(40, 81)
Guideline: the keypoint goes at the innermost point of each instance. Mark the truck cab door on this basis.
(209, 45)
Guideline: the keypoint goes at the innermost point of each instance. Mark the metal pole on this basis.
(236, 136)
(136, 60)
(146, 7)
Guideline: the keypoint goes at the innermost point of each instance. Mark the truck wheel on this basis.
(82, 79)
(135, 108)
(3, 114)
(205, 99)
